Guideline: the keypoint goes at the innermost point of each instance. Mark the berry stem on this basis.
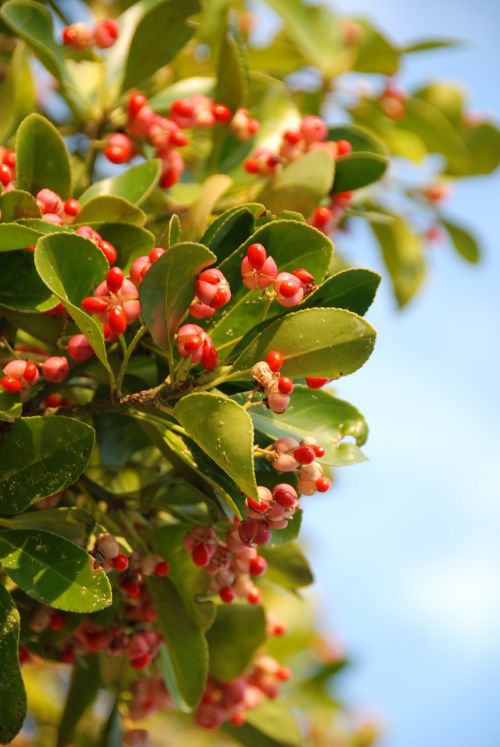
(127, 352)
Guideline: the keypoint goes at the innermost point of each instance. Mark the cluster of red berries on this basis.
(193, 342)
(277, 389)
(7, 168)
(392, 101)
(259, 271)
(106, 247)
(212, 292)
(115, 303)
(80, 36)
(142, 264)
(309, 137)
(326, 218)
(289, 455)
(20, 375)
(229, 701)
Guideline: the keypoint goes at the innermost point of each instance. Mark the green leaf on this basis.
(232, 82)
(360, 138)
(352, 289)
(269, 725)
(72, 523)
(301, 185)
(21, 288)
(403, 255)
(314, 342)
(230, 229)
(426, 45)
(168, 289)
(358, 170)
(17, 204)
(14, 236)
(110, 209)
(224, 430)
(374, 52)
(72, 267)
(10, 407)
(12, 692)
(174, 230)
(53, 570)
(83, 688)
(434, 129)
(200, 211)
(40, 456)
(287, 566)
(184, 639)
(185, 88)
(231, 654)
(41, 327)
(129, 241)
(292, 244)
(42, 158)
(483, 145)
(134, 185)
(463, 241)
(317, 413)
(151, 34)
(17, 92)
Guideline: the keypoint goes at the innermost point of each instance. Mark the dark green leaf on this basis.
(84, 684)
(17, 204)
(287, 566)
(20, 286)
(53, 570)
(42, 158)
(352, 289)
(403, 255)
(134, 185)
(184, 639)
(230, 651)
(72, 523)
(230, 229)
(72, 267)
(224, 430)
(40, 456)
(12, 693)
(10, 406)
(232, 80)
(200, 211)
(358, 170)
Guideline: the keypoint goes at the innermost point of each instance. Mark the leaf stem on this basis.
(127, 352)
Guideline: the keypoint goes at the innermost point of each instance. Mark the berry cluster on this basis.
(311, 136)
(20, 375)
(212, 292)
(193, 342)
(326, 218)
(142, 264)
(7, 168)
(115, 303)
(288, 455)
(259, 271)
(79, 36)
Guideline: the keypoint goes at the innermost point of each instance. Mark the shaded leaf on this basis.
(287, 566)
(358, 170)
(12, 692)
(230, 652)
(301, 185)
(42, 160)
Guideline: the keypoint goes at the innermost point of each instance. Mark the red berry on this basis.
(258, 566)
(72, 207)
(94, 304)
(57, 621)
(209, 276)
(30, 371)
(120, 562)
(315, 382)
(108, 250)
(252, 166)
(285, 385)
(179, 139)
(201, 556)
(106, 33)
(304, 276)
(253, 126)
(117, 320)
(344, 147)
(254, 596)
(323, 484)
(5, 174)
(183, 107)
(117, 154)
(274, 360)
(142, 661)
(318, 450)
(237, 719)
(227, 594)
(287, 288)
(114, 279)
(256, 255)
(222, 113)
(260, 507)
(293, 137)
(68, 656)
(136, 102)
(210, 357)
(286, 498)
(52, 400)
(9, 158)
(322, 216)
(162, 568)
(155, 253)
(132, 590)
(304, 455)
(284, 674)
(192, 343)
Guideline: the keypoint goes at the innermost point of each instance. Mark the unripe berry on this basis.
(55, 369)
(106, 33)
(79, 348)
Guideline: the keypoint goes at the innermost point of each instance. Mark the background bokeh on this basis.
(406, 548)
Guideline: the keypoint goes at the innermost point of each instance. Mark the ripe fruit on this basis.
(200, 555)
(289, 290)
(222, 113)
(135, 103)
(94, 304)
(117, 320)
(257, 255)
(285, 385)
(274, 360)
(258, 566)
(313, 129)
(162, 569)
(106, 33)
(323, 484)
(55, 369)
(78, 36)
(10, 384)
(227, 594)
(304, 454)
(6, 175)
(108, 250)
(119, 148)
(120, 562)
(254, 596)
(315, 382)
(72, 207)
(114, 279)
(344, 148)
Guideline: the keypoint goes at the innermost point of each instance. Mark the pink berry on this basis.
(79, 348)
(106, 33)
(55, 369)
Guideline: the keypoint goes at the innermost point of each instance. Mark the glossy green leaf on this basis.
(314, 342)
(168, 289)
(134, 185)
(318, 414)
(139, 53)
(129, 241)
(435, 130)
(72, 267)
(231, 654)
(53, 570)
(230, 229)
(483, 145)
(301, 185)
(110, 209)
(224, 430)
(352, 289)
(403, 255)
(448, 97)
(287, 566)
(72, 523)
(291, 244)
(40, 456)
(18, 204)
(21, 288)
(42, 158)
(463, 241)
(270, 725)
(199, 213)
(12, 692)
(174, 230)
(84, 684)
(14, 236)
(184, 639)
(17, 92)
(358, 170)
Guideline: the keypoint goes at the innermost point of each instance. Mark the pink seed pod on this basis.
(313, 129)
(285, 461)
(107, 545)
(190, 339)
(173, 167)
(79, 348)
(53, 218)
(259, 279)
(276, 400)
(24, 371)
(139, 268)
(49, 202)
(212, 288)
(289, 289)
(106, 33)
(78, 36)
(55, 369)
(201, 310)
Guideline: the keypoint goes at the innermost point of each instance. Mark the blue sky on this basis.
(406, 548)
